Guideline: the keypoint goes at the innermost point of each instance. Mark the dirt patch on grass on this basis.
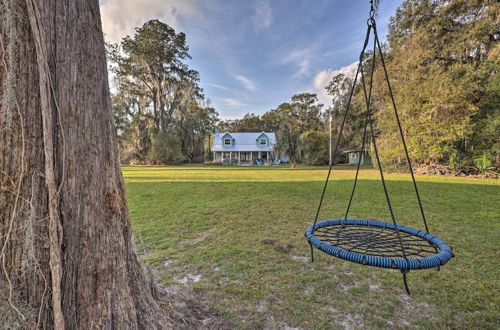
(189, 308)
(412, 307)
(301, 258)
(347, 320)
(268, 301)
(278, 245)
(188, 278)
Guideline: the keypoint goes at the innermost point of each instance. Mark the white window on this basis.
(263, 141)
(227, 142)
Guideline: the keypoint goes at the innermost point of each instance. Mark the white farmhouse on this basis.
(255, 148)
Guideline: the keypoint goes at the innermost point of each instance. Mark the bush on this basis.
(483, 163)
(458, 161)
(166, 149)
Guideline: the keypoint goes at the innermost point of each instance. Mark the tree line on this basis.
(442, 58)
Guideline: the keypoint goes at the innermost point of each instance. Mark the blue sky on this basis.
(253, 55)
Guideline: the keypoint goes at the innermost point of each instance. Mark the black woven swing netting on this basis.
(375, 241)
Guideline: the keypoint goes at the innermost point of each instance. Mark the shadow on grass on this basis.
(421, 181)
(239, 168)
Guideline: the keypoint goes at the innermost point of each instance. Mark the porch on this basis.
(244, 158)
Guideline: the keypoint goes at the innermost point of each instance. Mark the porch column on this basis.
(267, 152)
(251, 155)
(239, 157)
(230, 157)
(214, 155)
(260, 155)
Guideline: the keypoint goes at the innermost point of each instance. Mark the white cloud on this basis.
(121, 17)
(323, 78)
(301, 59)
(233, 102)
(304, 66)
(247, 83)
(224, 88)
(263, 16)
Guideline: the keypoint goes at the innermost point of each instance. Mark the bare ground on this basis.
(189, 308)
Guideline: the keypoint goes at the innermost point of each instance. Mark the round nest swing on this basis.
(376, 243)
(371, 242)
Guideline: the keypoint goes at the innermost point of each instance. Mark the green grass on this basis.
(209, 221)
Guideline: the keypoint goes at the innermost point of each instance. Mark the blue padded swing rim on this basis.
(443, 256)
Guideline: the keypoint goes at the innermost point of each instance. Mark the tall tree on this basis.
(292, 119)
(307, 111)
(194, 129)
(154, 57)
(339, 89)
(153, 79)
(65, 235)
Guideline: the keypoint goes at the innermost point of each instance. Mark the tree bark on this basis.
(65, 235)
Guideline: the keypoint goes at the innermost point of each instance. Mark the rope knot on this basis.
(371, 21)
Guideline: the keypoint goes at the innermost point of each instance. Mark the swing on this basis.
(371, 242)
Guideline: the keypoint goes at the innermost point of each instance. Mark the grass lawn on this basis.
(202, 227)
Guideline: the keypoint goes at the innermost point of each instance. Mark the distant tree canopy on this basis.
(443, 62)
(249, 123)
(443, 58)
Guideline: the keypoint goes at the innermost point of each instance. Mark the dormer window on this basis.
(262, 140)
(227, 140)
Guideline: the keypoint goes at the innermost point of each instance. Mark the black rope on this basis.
(379, 163)
(386, 192)
(396, 114)
(367, 119)
(400, 128)
(405, 281)
(372, 9)
(383, 245)
(361, 57)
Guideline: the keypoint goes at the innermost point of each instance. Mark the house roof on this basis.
(244, 141)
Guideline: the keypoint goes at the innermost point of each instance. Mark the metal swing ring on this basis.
(376, 243)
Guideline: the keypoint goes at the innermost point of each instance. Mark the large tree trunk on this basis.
(65, 236)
